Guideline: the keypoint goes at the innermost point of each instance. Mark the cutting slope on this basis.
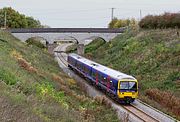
(153, 57)
(33, 88)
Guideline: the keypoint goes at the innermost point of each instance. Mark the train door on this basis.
(97, 78)
(108, 83)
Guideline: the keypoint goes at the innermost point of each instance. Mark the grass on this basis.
(152, 56)
(94, 45)
(34, 88)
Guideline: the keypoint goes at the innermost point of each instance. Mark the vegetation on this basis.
(153, 57)
(167, 20)
(72, 48)
(118, 23)
(94, 45)
(17, 20)
(33, 88)
(36, 42)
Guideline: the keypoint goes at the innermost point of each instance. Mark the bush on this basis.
(35, 42)
(167, 20)
(118, 23)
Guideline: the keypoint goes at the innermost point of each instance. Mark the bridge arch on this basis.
(97, 37)
(66, 37)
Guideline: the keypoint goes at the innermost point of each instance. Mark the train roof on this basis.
(113, 73)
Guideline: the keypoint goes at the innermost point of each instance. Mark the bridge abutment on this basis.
(80, 49)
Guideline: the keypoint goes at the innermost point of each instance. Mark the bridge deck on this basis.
(67, 30)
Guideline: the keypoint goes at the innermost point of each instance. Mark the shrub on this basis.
(118, 23)
(35, 42)
(167, 20)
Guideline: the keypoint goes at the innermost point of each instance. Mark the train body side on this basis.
(100, 78)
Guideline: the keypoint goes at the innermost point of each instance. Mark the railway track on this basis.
(60, 56)
(131, 109)
(143, 116)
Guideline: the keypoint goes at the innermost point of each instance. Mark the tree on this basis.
(32, 23)
(118, 23)
(17, 20)
(112, 23)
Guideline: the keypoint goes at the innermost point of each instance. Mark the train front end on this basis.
(127, 90)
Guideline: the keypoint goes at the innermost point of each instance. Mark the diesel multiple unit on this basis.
(120, 86)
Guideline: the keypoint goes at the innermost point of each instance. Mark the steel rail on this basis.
(60, 56)
(140, 113)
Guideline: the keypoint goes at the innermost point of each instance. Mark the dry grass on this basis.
(65, 86)
(88, 115)
(27, 66)
(16, 54)
(58, 79)
(103, 100)
(22, 62)
(166, 99)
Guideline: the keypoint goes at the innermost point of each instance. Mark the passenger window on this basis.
(111, 83)
(105, 80)
(99, 77)
(93, 74)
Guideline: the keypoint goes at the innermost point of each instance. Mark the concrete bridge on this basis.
(79, 35)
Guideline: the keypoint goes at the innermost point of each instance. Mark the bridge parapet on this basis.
(77, 34)
(67, 30)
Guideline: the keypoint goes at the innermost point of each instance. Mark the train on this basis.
(120, 86)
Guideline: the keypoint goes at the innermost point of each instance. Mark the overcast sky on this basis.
(88, 13)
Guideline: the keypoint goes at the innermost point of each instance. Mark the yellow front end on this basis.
(124, 93)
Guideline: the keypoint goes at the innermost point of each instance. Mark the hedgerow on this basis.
(166, 20)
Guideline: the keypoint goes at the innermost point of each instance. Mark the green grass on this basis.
(152, 56)
(34, 86)
(94, 45)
